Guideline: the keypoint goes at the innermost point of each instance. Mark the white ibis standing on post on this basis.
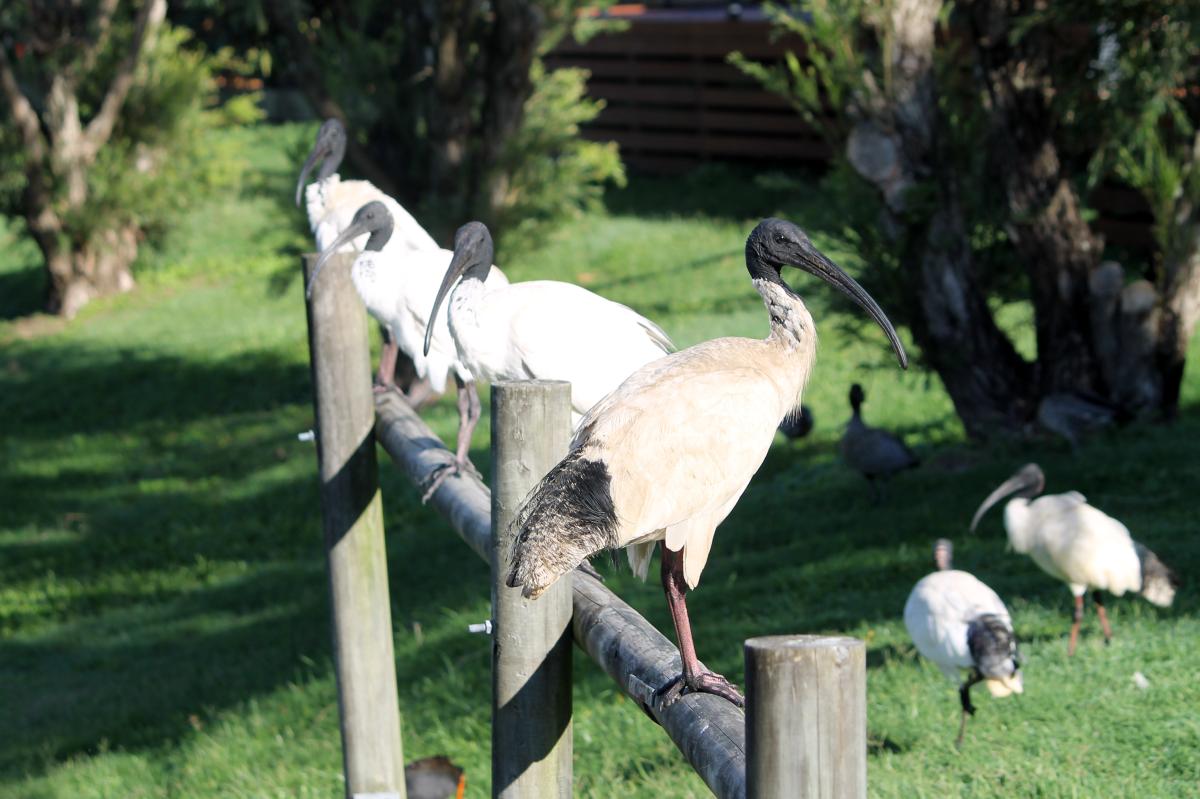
(398, 290)
(959, 623)
(874, 453)
(538, 330)
(666, 455)
(1078, 544)
(331, 204)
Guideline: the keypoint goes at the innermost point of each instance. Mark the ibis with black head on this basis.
(538, 330)
(398, 290)
(666, 456)
(333, 203)
(958, 622)
(1081, 545)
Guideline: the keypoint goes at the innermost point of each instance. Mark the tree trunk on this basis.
(1046, 223)
(512, 48)
(450, 118)
(98, 267)
(895, 146)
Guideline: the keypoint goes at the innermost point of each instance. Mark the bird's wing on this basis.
(559, 331)
(683, 435)
(1086, 545)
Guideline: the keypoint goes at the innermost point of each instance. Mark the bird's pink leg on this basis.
(385, 378)
(469, 411)
(695, 677)
(1103, 616)
(1075, 625)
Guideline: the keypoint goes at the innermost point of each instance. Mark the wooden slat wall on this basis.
(672, 102)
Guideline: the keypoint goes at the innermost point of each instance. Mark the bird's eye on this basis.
(780, 238)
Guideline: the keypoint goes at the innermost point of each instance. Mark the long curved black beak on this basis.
(1019, 481)
(319, 151)
(815, 263)
(458, 265)
(349, 234)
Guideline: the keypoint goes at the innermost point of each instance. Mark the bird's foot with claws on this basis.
(383, 388)
(704, 682)
(445, 470)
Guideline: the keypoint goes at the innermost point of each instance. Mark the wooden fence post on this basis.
(531, 644)
(340, 354)
(806, 717)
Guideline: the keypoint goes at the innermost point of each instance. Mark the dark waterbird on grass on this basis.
(666, 455)
(1078, 544)
(874, 453)
(958, 622)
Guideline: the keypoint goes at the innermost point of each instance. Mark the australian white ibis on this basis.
(398, 289)
(1078, 544)
(540, 329)
(959, 623)
(331, 204)
(666, 455)
(874, 453)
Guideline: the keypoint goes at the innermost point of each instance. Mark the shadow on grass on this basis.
(21, 292)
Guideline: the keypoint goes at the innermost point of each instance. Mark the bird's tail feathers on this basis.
(567, 517)
(1159, 583)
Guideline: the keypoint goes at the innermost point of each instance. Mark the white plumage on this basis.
(398, 289)
(958, 622)
(542, 329)
(666, 456)
(1074, 542)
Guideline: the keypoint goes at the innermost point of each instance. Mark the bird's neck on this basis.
(467, 295)
(1017, 525)
(793, 333)
(379, 237)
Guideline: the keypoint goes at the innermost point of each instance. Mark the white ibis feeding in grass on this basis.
(332, 203)
(666, 455)
(538, 330)
(874, 453)
(398, 289)
(959, 623)
(1078, 544)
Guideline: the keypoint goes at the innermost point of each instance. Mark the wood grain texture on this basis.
(531, 641)
(709, 731)
(806, 717)
(352, 514)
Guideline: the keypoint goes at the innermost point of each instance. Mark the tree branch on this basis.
(149, 19)
(91, 50)
(23, 113)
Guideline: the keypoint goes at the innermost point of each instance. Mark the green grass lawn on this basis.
(163, 598)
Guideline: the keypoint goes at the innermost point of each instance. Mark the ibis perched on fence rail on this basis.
(408, 251)
(537, 330)
(1078, 544)
(874, 453)
(398, 290)
(958, 622)
(666, 455)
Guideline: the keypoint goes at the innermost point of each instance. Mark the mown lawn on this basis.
(163, 600)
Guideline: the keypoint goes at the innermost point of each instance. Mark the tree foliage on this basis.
(978, 129)
(106, 109)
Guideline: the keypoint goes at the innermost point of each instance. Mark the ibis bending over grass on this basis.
(332, 204)
(959, 623)
(398, 289)
(666, 455)
(874, 453)
(1078, 544)
(538, 330)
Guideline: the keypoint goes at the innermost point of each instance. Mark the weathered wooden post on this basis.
(353, 519)
(531, 644)
(806, 717)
